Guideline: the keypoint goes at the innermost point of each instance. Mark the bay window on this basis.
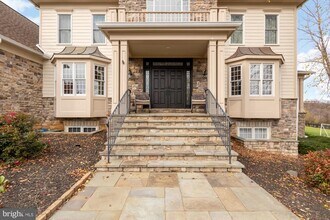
(99, 80)
(236, 80)
(74, 79)
(261, 79)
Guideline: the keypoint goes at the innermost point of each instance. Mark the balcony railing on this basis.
(177, 16)
(213, 15)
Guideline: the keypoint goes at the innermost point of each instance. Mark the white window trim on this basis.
(105, 39)
(105, 80)
(254, 133)
(261, 79)
(74, 79)
(230, 94)
(58, 29)
(153, 5)
(243, 32)
(81, 129)
(278, 29)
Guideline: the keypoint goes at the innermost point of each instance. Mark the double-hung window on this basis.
(261, 79)
(168, 6)
(235, 80)
(64, 28)
(237, 36)
(74, 79)
(271, 29)
(98, 36)
(99, 80)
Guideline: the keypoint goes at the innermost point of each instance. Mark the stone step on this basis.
(186, 123)
(169, 110)
(168, 116)
(206, 137)
(169, 166)
(166, 129)
(168, 145)
(169, 154)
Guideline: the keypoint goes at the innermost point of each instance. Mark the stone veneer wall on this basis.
(21, 89)
(301, 124)
(199, 79)
(283, 131)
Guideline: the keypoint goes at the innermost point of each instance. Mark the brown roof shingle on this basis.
(17, 27)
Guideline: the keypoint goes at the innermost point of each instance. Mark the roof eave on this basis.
(256, 57)
(22, 46)
(92, 57)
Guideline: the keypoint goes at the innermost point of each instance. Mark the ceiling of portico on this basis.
(168, 49)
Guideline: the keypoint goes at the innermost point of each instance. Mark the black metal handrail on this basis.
(116, 120)
(220, 120)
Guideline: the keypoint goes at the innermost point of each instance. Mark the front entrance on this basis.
(168, 82)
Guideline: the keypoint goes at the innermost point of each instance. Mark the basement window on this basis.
(81, 129)
(253, 133)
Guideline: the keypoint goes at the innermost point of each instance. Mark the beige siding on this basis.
(254, 36)
(81, 36)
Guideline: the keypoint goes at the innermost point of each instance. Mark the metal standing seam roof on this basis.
(87, 51)
(254, 51)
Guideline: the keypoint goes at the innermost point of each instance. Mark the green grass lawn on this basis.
(310, 131)
(314, 141)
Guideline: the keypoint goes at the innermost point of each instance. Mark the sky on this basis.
(304, 48)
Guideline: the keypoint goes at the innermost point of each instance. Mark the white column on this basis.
(301, 93)
(212, 67)
(123, 67)
(221, 81)
(115, 73)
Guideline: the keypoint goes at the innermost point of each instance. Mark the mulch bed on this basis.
(269, 171)
(41, 181)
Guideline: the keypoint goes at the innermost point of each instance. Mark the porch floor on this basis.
(210, 196)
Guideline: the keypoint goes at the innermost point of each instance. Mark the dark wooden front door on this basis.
(168, 88)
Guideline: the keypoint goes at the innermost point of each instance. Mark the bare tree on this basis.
(316, 26)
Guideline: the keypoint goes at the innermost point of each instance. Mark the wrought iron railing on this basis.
(220, 120)
(116, 120)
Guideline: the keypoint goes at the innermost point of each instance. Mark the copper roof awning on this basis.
(80, 52)
(248, 52)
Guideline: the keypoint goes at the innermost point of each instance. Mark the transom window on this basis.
(64, 28)
(271, 29)
(98, 36)
(74, 79)
(261, 79)
(99, 80)
(237, 36)
(168, 6)
(253, 133)
(236, 80)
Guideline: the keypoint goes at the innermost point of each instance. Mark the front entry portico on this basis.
(168, 86)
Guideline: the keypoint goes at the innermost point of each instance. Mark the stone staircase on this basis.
(169, 142)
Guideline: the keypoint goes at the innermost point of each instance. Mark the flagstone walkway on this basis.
(172, 196)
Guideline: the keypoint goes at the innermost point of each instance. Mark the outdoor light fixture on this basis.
(130, 74)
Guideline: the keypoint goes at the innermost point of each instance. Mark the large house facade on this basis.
(244, 52)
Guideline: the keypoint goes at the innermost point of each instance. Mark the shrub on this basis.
(313, 143)
(18, 139)
(317, 169)
(3, 183)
